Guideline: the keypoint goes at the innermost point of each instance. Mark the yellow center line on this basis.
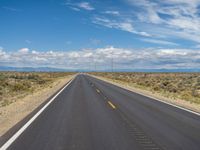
(111, 104)
(98, 91)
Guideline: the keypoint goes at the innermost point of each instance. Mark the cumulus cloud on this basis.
(24, 50)
(102, 57)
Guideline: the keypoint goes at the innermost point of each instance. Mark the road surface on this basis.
(90, 114)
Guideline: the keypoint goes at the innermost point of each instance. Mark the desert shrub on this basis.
(18, 87)
(4, 84)
(195, 93)
(179, 85)
(41, 81)
(33, 76)
(2, 77)
(173, 89)
(23, 83)
(156, 87)
(165, 83)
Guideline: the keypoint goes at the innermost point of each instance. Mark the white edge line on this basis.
(188, 110)
(24, 127)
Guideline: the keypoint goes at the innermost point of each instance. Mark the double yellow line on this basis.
(109, 102)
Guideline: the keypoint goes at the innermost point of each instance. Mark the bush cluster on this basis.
(16, 83)
(184, 86)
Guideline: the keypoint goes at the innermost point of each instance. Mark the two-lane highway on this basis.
(90, 114)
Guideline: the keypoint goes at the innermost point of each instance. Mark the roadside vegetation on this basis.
(181, 86)
(15, 85)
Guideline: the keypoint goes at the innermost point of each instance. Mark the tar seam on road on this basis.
(139, 135)
(136, 132)
(24, 127)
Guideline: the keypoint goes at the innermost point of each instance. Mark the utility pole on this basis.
(112, 62)
(95, 66)
(112, 65)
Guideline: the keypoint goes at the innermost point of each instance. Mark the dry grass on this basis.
(15, 85)
(182, 86)
(24, 92)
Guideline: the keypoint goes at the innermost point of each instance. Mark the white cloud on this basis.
(34, 52)
(75, 9)
(156, 41)
(180, 17)
(85, 5)
(81, 5)
(126, 26)
(123, 58)
(148, 12)
(169, 19)
(24, 50)
(185, 23)
(112, 12)
(2, 53)
(121, 25)
(188, 2)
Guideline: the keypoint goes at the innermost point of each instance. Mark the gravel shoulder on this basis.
(13, 113)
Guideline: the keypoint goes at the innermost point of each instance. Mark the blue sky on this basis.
(149, 34)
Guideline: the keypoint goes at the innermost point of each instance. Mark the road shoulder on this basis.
(175, 102)
(12, 115)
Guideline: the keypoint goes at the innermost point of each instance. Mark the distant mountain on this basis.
(32, 69)
(49, 69)
(151, 70)
(158, 70)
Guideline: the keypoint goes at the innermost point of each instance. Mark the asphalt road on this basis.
(91, 114)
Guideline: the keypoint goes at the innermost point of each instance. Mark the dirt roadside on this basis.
(13, 113)
(178, 102)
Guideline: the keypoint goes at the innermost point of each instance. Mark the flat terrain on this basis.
(179, 88)
(90, 114)
(15, 85)
(21, 93)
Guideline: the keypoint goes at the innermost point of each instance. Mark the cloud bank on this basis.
(102, 58)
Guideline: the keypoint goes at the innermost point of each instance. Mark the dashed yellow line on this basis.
(112, 105)
(98, 91)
